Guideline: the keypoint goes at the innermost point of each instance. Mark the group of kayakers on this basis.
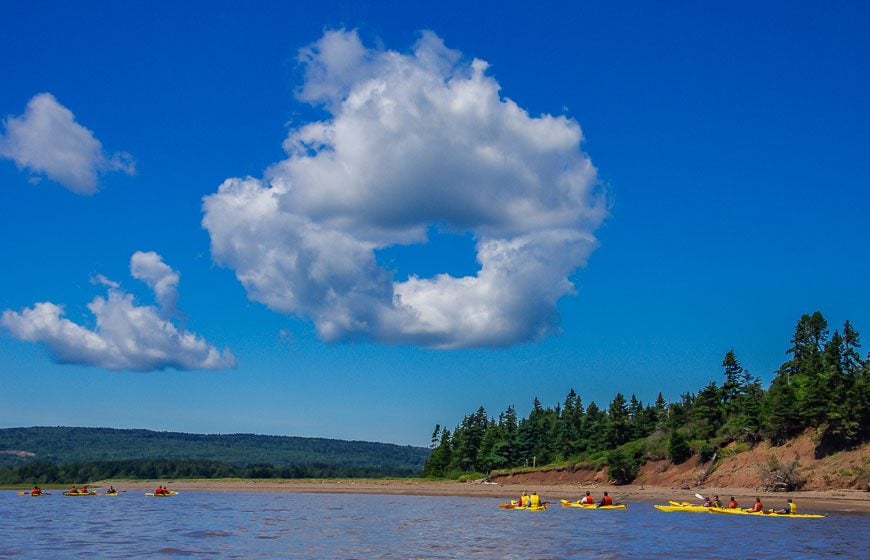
(529, 500)
(37, 491)
(605, 500)
(789, 508)
(533, 500)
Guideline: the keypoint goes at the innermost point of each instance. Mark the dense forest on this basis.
(80, 454)
(173, 469)
(824, 385)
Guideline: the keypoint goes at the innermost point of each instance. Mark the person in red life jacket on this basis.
(159, 491)
(37, 491)
(74, 490)
(605, 501)
(757, 506)
(789, 508)
(587, 499)
(733, 503)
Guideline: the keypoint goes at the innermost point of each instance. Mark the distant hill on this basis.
(59, 445)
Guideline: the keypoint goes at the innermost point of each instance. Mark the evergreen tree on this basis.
(678, 448)
(618, 425)
(707, 412)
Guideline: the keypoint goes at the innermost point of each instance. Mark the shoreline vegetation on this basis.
(853, 501)
(810, 429)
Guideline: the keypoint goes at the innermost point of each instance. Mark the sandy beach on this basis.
(809, 501)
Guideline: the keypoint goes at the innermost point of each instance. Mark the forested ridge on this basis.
(68, 454)
(824, 385)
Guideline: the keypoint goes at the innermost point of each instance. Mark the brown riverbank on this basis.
(824, 501)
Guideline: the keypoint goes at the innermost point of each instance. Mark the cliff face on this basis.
(844, 470)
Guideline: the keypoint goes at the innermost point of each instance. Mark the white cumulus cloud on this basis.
(126, 335)
(163, 281)
(48, 141)
(412, 140)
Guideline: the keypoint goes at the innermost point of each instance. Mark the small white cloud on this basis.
(163, 281)
(412, 140)
(47, 140)
(126, 336)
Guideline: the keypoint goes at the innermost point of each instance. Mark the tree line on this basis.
(63, 445)
(824, 385)
(80, 472)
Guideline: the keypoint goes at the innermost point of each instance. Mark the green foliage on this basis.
(823, 385)
(623, 464)
(678, 448)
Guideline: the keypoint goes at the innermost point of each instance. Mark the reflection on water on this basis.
(346, 526)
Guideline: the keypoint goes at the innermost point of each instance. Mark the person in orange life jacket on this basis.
(757, 506)
(733, 503)
(587, 499)
(605, 501)
(789, 508)
(36, 491)
(73, 490)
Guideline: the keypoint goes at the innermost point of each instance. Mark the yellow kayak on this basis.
(566, 503)
(152, 494)
(90, 493)
(688, 509)
(768, 513)
(513, 505)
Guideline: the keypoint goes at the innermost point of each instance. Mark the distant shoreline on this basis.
(808, 501)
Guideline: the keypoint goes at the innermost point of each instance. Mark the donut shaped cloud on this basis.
(412, 140)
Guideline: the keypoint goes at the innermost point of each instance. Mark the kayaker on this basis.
(757, 506)
(534, 500)
(587, 499)
(605, 501)
(707, 502)
(111, 490)
(74, 490)
(523, 499)
(790, 508)
(716, 502)
(37, 491)
(732, 504)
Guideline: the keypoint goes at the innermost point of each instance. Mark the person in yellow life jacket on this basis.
(587, 499)
(789, 508)
(535, 500)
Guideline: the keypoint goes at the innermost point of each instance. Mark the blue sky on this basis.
(729, 143)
